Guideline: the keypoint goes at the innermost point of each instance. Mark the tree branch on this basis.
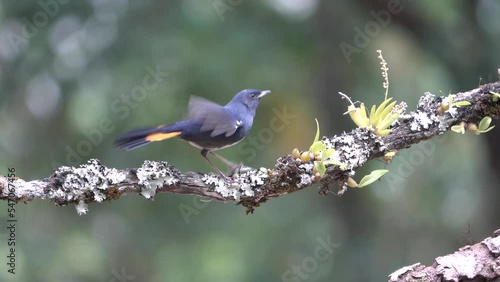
(94, 182)
(479, 262)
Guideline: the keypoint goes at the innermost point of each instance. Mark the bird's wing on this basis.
(215, 117)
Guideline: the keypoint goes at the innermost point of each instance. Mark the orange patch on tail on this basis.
(162, 136)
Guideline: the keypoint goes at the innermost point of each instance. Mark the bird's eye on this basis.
(252, 95)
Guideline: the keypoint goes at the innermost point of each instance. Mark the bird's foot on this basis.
(239, 168)
(226, 178)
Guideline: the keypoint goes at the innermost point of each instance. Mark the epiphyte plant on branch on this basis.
(449, 106)
(381, 117)
(496, 95)
(320, 154)
(482, 127)
(379, 120)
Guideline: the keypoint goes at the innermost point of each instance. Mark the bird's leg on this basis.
(230, 164)
(204, 154)
(235, 168)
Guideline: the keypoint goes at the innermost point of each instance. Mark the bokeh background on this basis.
(72, 79)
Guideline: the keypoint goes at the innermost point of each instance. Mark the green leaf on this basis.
(320, 167)
(484, 124)
(381, 107)
(374, 119)
(334, 162)
(328, 153)
(458, 129)
(358, 115)
(316, 138)
(372, 111)
(384, 113)
(390, 154)
(496, 96)
(317, 147)
(461, 104)
(383, 132)
(387, 121)
(486, 130)
(372, 177)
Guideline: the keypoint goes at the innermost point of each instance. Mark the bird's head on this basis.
(249, 98)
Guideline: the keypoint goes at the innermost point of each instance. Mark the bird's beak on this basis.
(264, 93)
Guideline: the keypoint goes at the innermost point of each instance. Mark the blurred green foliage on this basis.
(71, 74)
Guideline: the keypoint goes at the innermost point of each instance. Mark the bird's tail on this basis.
(140, 137)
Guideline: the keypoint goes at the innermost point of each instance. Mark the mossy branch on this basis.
(94, 182)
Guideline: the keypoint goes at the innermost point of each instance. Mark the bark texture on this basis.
(94, 182)
(478, 263)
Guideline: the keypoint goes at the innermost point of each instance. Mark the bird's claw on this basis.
(239, 168)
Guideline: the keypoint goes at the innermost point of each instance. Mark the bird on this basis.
(209, 127)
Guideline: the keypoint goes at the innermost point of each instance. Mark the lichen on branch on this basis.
(95, 183)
